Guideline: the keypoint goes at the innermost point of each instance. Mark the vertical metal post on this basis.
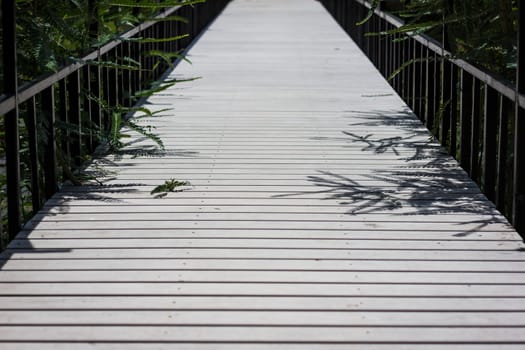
(86, 87)
(95, 119)
(504, 107)
(475, 124)
(453, 109)
(112, 87)
(423, 54)
(429, 90)
(445, 98)
(63, 116)
(50, 161)
(12, 146)
(465, 118)
(33, 154)
(489, 142)
(415, 79)
(73, 87)
(518, 212)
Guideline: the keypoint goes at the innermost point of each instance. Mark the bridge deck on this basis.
(320, 215)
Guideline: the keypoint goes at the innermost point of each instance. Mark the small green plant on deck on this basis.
(168, 186)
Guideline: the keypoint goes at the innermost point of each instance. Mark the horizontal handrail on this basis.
(42, 83)
(503, 87)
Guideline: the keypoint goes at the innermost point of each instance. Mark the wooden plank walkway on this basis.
(320, 215)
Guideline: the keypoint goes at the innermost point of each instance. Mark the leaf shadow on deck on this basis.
(427, 181)
(97, 189)
(60, 205)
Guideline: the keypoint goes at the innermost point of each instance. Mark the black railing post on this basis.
(415, 80)
(63, 116)
(465, 118)
(446, 99)
(501, 181)
(453, 110)
(518, 212)
(475, 125)
(95, 112)
(490, 120)
(31, 124)
(73, 87)
(50, 160)
(12, 146)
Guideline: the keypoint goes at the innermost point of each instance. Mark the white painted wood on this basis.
(278, 233)
(268, 265)
(255, 243)
(261, 303)
(344, 318)
(252, 346)
(320, 215)
(258, 276)
(232, 206)
(260, 334)
(284, 215)
(409, 290)
(265, 253)
(465, 228)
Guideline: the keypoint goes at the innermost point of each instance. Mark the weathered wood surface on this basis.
(320, 215)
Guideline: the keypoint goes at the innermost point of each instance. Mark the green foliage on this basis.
(51, 34)
(55, 33)
(48, 33)
(373, 6)
(168, 186)
(481, 32)
(151, 4)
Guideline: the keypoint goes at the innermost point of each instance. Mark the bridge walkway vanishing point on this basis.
(320, 215)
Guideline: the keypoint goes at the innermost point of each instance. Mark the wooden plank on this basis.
(260, 303)
(85, 208)
(428, 235)
(254, 243)
(260, 276)
(283, 334)
(409, 290)
(65, 203)
(434, 182)
(249, 318)
(264, 253)
(252, 346)
(284, 215)
(465, 228)
(265, 265)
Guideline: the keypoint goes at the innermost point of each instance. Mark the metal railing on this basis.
(73, 96)
(479, 119)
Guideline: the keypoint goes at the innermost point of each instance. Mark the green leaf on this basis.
(168, 186)
(151, 4)
(406, 64)
(116, 121)
(167, 56)
(154, 40)
(112, 64)
(144, 130)
(373, 6)
(170, 18)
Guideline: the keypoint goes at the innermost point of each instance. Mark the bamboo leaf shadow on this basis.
(427, 180)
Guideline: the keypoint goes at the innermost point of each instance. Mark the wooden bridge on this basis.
(320, 214)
